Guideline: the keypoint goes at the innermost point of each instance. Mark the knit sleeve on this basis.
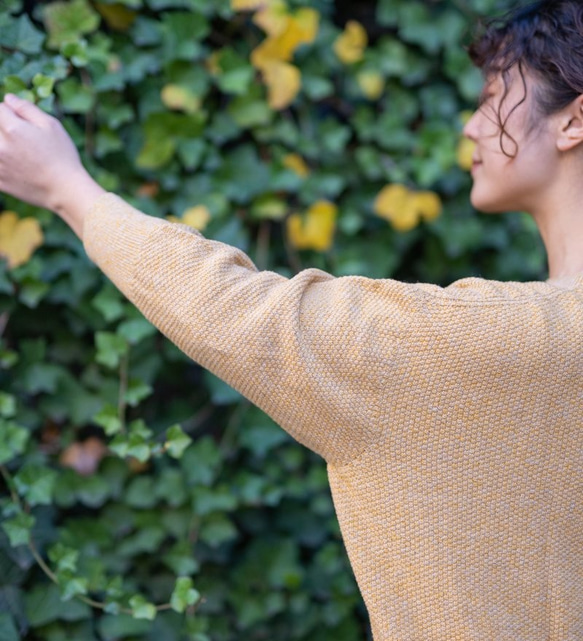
(311, 351)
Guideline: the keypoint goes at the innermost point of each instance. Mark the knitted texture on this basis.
(451, 419)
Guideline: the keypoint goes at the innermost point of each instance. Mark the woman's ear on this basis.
(570, 132)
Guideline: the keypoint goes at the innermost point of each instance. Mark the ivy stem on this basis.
(10, 485)
(43, 565)
(4, 318)
(226, 442)
(41, 562)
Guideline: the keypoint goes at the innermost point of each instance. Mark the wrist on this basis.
(75, 200)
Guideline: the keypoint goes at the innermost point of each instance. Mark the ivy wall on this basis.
(142, 498)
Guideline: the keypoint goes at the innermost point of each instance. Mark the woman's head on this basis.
(532, 105)
(544, 40)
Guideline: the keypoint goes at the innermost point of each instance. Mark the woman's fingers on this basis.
(26, 110)
(37, 156)
(9, 121)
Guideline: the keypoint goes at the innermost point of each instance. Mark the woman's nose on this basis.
(470, 128)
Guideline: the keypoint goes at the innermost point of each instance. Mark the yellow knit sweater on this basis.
(451, 419)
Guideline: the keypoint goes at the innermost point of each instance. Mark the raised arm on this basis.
(300, 348)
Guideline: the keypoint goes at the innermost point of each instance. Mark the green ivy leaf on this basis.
(109, 420)
(36, 484)
(14, 84)
(8, 358)
(162, 133)
(76, 52)
(71, 585)
(13, 440)
(64, 557)
(44, 605)
(20, 33)
(141, 608)
(184, 595)
(19, 528)
(75, 97)
(43, 85)
(135, 330)
(137, 391)
(67, 21)
(136, 443)
(176, 441)
(7, 405)
(7, 630)
(110, 348)
(109, 303)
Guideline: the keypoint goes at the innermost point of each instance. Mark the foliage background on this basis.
(142, 498)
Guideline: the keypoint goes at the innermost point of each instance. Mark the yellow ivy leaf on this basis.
(280, 47)
(272, 18)
(197, 217)
(249, 5)
(395, 204)
(180, 98)
(371, 83)
(316, 229)
(296, 163)
(465, 152)
(283, 83)
(407, 218)
(391, 200)
(18, 238)
(404, 209)
(428, 204)
(350, 45)
(309, 22)
(117, 16)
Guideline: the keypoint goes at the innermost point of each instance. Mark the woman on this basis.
(450, 418)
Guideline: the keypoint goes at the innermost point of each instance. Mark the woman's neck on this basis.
(560, 223)
(564, 245)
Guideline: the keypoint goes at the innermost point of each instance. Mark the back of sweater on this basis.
(451, 419)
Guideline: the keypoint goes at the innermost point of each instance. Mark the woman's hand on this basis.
(39, 163)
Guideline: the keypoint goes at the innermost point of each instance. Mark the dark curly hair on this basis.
(544, 39)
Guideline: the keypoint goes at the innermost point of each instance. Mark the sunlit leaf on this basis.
(316, 229)
(283, 83)
(19, 237)
(196, 217)
(428, 204)
(273, 17)
(296, 163)
(351, 44)
(308, 21)
(180, 98)
(371, 83)
(404, 209)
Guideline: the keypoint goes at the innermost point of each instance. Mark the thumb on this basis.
(25, 109)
